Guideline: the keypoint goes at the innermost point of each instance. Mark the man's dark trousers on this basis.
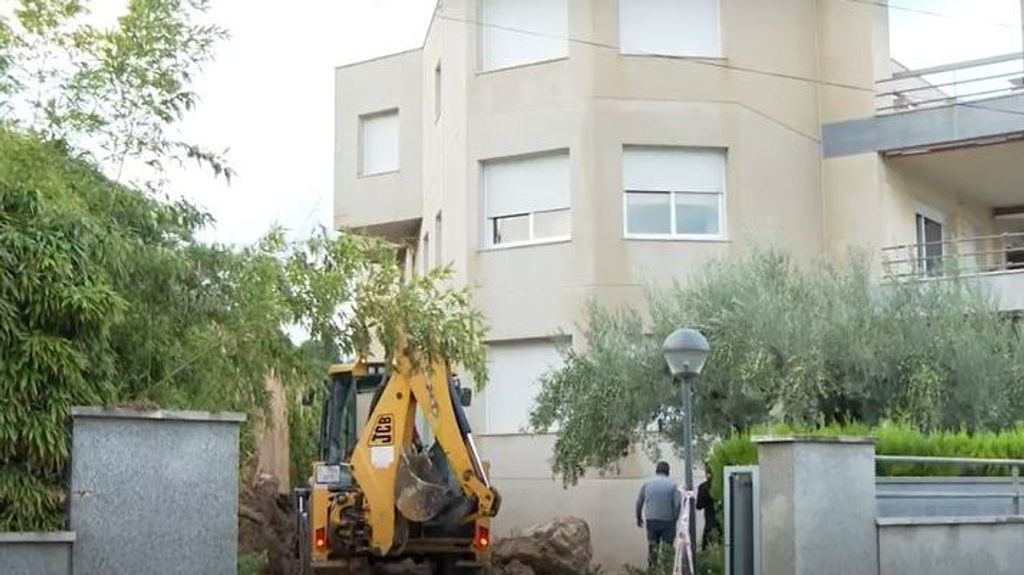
(658, 532)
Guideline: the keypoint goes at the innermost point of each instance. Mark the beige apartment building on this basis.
(560, 151)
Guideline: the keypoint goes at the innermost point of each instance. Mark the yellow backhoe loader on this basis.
(404, 486)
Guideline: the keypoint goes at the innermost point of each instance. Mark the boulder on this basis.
(557, 547)
(513, 568)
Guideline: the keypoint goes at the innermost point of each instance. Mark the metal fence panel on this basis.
(946, 496)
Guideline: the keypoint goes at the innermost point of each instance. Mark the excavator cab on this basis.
(397, 475)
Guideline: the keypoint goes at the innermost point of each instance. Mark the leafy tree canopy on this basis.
(803, 345)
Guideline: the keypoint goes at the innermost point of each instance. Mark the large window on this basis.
(516, 32)
(515, 369)
(674, 193)
(526, 199)
(378, 143)
(670, 27)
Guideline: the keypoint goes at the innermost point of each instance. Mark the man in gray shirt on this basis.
(659, 503)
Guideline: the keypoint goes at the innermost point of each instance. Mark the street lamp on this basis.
(685, 351)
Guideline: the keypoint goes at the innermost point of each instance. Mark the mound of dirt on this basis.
(266, 524)
(557, 547)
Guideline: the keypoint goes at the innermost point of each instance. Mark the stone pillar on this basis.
(154, 492)
(817, 506)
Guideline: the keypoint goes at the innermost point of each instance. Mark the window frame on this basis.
(487, 223)
(673, 235)
(361, 143)
(491, 404)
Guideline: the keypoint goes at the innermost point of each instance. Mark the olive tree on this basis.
(801, 344)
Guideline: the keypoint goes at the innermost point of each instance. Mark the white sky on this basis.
(269, 96)
(955, 30)
(269, 99)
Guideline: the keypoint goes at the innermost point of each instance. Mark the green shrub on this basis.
(252, 563)
(890, 439)
(710, 561)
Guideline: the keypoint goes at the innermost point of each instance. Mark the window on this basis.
(378, 150)
(516, 32)
(437, 92)
(526, 199)
(515, 370)
(438, 255)
(674, 192)
(929, 244)
(670, 27)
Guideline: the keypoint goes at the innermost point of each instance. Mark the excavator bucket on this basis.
(421, 489)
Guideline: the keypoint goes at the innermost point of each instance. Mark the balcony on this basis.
(994, 263)
(967, 83)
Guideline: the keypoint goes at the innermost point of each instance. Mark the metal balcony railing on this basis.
(955, 83)
(960, 256)
(966, 491)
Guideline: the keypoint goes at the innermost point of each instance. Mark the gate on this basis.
(742, 521)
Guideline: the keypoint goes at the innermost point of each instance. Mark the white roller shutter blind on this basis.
(673, 169)
(670, 27)
(515, 369)
(524, 185)
(515, 32)
(380, 143)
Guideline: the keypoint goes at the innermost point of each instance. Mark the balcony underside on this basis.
(404, 232)
(991, 175)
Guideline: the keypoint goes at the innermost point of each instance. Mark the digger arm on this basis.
(389, 431)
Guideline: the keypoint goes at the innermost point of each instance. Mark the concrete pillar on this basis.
(817, 506)
(154, 492)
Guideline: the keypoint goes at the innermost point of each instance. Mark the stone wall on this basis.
(36, 553)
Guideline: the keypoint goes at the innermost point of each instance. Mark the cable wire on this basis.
(725, 65)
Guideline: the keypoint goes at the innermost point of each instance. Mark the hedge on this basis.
(890, 439)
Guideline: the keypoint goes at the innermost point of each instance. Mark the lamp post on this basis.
(685, 351)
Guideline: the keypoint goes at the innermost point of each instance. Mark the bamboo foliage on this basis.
(107, 296)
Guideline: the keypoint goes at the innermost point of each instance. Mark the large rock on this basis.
(557, 547)
(513, 568)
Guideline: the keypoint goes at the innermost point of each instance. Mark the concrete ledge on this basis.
(963, 122)
(36, 552)
(769, 439)
(160, 414)
(37, 537)
(941, 521)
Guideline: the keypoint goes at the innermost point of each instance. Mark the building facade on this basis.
(556, 152)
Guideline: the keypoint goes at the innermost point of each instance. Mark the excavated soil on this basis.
(266, 524)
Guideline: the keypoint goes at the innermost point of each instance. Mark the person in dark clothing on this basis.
(659, 504)
(706, 502)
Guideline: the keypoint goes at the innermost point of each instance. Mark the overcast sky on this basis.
(269, 96)
(269, 99)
